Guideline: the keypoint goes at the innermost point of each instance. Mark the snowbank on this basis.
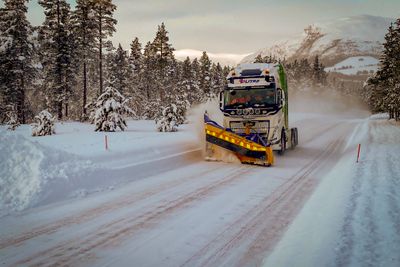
(36, 171)
(27, 168)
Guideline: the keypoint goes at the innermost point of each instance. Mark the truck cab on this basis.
(255, 100)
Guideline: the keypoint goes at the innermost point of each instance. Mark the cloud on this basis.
(234, 26)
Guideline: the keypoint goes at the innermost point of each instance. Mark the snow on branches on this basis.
(109, 112)
(11, 117)
(44, 124)
(12, 122)
(169, 119)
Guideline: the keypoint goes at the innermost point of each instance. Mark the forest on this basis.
(66, 64)
(69, 68)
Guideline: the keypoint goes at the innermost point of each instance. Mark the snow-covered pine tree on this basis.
(217, 79)
(259, 59)
(225, 72)
(197, 94)
(103, 16)
(58, 55)
(187, 82)
(12, 118)
(16, 56)
(391, 76)
(205, 76)
(383, 88)
(84, 26)
(44, 124)
(168, 121)
(110, 109)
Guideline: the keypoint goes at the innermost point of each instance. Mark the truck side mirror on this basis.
(221, 102)
(279, 98)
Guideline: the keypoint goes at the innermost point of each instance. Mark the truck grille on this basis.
(261, 127)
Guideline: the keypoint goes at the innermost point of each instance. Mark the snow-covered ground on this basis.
(353, 218)
(355, 65)
(151, 199)
(74, 162)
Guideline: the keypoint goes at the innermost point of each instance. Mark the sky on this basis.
(221, 26)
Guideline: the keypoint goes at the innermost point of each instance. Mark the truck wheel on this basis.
(283, 143)
(292, 138)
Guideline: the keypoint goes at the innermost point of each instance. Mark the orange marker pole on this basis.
(358, 153)
(106, 141)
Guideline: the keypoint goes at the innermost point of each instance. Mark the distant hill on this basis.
(334, 41)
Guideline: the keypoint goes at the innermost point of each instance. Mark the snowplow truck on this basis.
(256, 115)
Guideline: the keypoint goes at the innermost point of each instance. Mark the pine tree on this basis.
(136, 57)
(12, 118)
(110, 109)
(205, 76)
(84, 31)
(187, 82)
(44, 124)
(150, 83)
(168, 121)
(383, 89)
(136, 88)
(103, 16)
(119, 70)
(318, 73)
(197, 95)
(16, 57)
(165, 63)
(135, 62)
(259, 59)
(217, 79)
(163, 49)
(57, 54)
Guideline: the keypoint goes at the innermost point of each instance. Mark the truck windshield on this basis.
(244, 98)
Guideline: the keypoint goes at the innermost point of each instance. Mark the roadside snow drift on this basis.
(26, 168)
(74, 163)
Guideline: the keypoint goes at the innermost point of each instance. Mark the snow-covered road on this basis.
(182, 211)
(353, 218)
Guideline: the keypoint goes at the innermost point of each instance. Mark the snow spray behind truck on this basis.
(256, 115)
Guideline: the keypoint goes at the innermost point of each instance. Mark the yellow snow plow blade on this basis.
(247, 151)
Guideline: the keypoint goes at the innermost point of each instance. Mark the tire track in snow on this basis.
(92, 213)
(256, 225)
(392, 189)
(115, 232)
(345, 250)
(372, 240)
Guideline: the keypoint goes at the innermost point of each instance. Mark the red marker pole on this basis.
(358, 153)
(106, 141)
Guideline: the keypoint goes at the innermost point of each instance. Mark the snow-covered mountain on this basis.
(223, 59)
(333, 40)
(356, 65)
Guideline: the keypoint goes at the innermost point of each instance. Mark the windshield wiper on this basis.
(236, 105)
